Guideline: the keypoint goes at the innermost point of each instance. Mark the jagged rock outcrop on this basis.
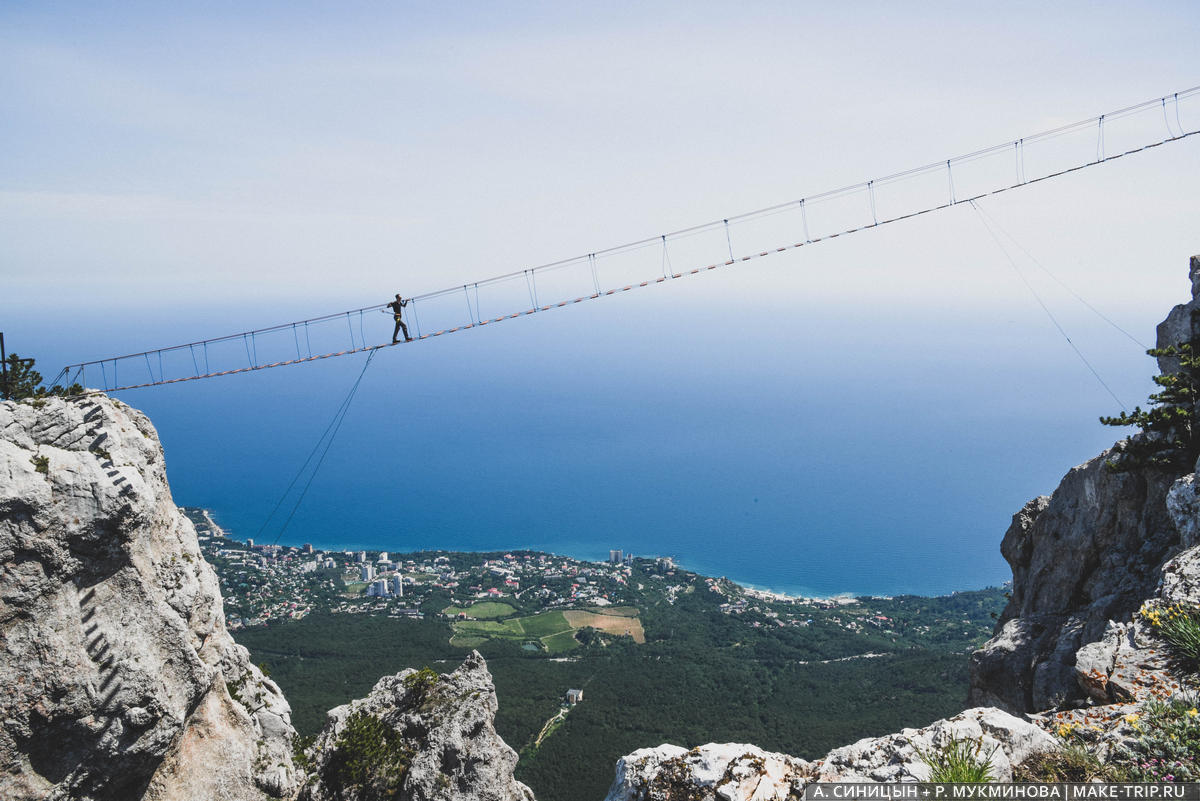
(118, 679)
(1089, 554)
(432, 737)
(724, 772)
(1004, 739)
(732, 772)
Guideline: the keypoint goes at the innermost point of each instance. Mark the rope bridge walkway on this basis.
(647, 262)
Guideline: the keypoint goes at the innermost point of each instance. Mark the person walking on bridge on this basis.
(396, 306)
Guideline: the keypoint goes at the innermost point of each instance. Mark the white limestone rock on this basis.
(445, 746)
(1005, 739)
(115, 660)
(1183, 504)
(735, 772)
(713, 772)
(1181, 579)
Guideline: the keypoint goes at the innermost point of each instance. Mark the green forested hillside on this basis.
(702, 676)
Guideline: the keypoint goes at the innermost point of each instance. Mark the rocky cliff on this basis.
(1089, 554)
(118, 679)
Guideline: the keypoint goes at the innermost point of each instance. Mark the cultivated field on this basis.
(554, 630)
(619, 624)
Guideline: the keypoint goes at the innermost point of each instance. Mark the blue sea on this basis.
(786, 446)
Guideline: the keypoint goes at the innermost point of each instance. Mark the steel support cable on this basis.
(336, 424)
(595, 273)
(530, 275)
(1060, 282)
(415, 318)
(1012, 263)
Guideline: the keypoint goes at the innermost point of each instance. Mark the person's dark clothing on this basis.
(396, 306)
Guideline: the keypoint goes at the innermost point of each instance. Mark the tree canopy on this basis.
(1170, 438)
(22, 381)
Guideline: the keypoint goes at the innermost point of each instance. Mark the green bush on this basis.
(420, 683)
(1073, 761)
(1168, 743)
(41, 464)
(959, 760)
(369, 760)
(300, 745)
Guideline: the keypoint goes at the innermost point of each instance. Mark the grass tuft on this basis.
(1179, 626)
(960, 760)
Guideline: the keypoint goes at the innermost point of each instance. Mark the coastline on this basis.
(590, 554)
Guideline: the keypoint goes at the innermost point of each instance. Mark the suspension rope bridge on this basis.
(840, 212)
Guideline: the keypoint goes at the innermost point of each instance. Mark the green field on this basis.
(544, 627)
(545, 624)
(561, 642)
(483, 610)
(490, 628)
(467, 640)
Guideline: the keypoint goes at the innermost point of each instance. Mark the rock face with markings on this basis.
(118, 679)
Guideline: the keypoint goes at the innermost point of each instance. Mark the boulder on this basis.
(713, 772)
(1004, 739)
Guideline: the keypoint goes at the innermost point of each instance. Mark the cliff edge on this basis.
(1084, 560)
(118, 679)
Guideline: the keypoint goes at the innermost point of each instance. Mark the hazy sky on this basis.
(176, 171)
(304, 154)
